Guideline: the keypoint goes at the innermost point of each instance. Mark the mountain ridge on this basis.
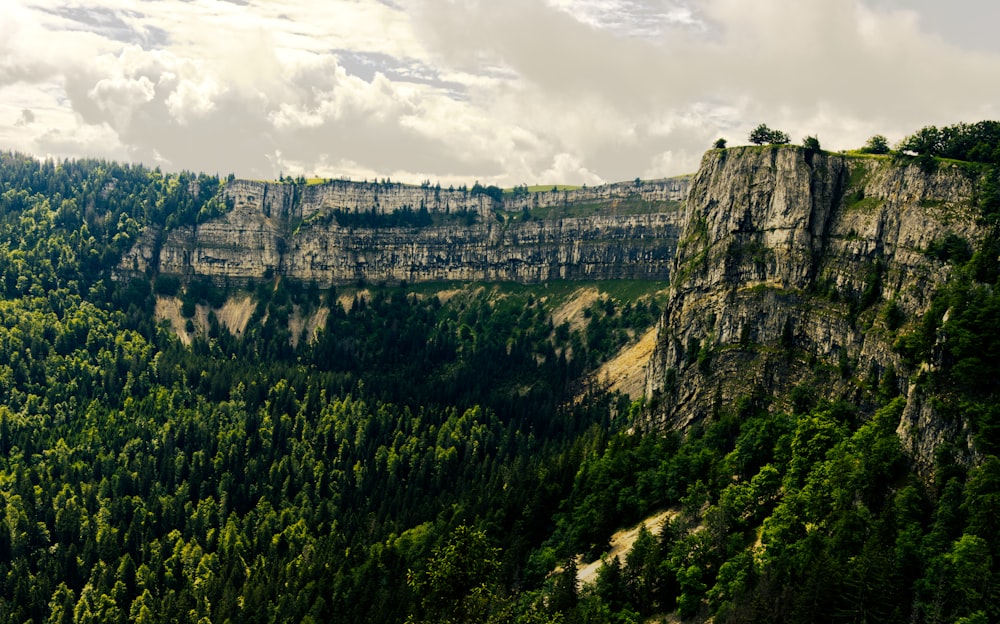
(824, 256)
(616, 231)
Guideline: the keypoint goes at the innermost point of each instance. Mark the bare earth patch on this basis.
(236, 313)
(347, 300)
(621, 543)
(316, 321)
(444, 296)
(169, 309)
(308, 323)
(296, 322)
(626, 372)
(572, 311)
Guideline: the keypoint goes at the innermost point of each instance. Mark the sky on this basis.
(501, 92)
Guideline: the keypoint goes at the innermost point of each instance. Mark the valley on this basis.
(326, 401)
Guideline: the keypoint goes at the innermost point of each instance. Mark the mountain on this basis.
(227, 400)
(802, 270)
(339, 232)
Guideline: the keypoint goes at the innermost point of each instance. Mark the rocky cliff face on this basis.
(800, 268)
(630, 232)
(293, 201)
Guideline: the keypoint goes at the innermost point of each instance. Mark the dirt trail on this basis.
(621, 544)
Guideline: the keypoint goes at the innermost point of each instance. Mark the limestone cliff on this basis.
(799, 267)
(294, 201)
(615, 231)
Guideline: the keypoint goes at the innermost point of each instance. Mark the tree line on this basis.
(431, 459)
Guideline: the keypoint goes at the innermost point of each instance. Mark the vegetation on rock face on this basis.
(811, 143)
(978, 142)
(438, 459)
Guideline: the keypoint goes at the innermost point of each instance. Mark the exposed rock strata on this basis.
(289, 230)
(783, 248)
(293, 201)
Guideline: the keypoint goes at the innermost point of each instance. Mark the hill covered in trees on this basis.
(439, 455)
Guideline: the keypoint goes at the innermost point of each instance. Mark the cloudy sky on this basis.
(500, 91)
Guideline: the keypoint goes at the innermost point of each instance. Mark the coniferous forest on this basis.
(432, 458)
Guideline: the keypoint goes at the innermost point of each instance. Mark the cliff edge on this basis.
(341, 232)
(800, 269)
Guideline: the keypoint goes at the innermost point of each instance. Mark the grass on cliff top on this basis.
(545, 188)
(865, 155)
(556, 291)
(631, 206)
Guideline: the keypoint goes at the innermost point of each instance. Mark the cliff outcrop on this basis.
(617, 231)
(298, 201)
(801, 268)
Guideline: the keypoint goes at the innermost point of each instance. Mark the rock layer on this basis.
(787, 266)
(291, 230)
(294, 201)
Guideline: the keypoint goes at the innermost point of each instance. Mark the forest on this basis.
(432, 458)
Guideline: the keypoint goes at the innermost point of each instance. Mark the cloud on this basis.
(630, 17)
(26, 119)
(569, 167)
(504, 92)
(92, 141)
(18, 62)
(118, 98)
(301, 109)
(835, 67)
(114, 24)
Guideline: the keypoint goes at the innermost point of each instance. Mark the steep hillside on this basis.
(805, 268)
(823, 420)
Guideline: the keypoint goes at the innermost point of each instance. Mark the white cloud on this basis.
(192, 99)
(90, 140)
(119, 97)
(506, 92)
(568, 167)
(649, 18)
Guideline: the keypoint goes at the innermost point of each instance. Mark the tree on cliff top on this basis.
(978, 142)
(762, 134)
(877, 144)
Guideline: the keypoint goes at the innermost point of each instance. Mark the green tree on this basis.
(692, 589)
(877, 144)
(565, 590)
(926, 141)
(969, 564)
(61, 605)
(762, 134)
(461, 579)
(641, 568)
(811, 143)
(610, 585)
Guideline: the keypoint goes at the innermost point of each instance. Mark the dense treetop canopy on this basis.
(428, 458)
